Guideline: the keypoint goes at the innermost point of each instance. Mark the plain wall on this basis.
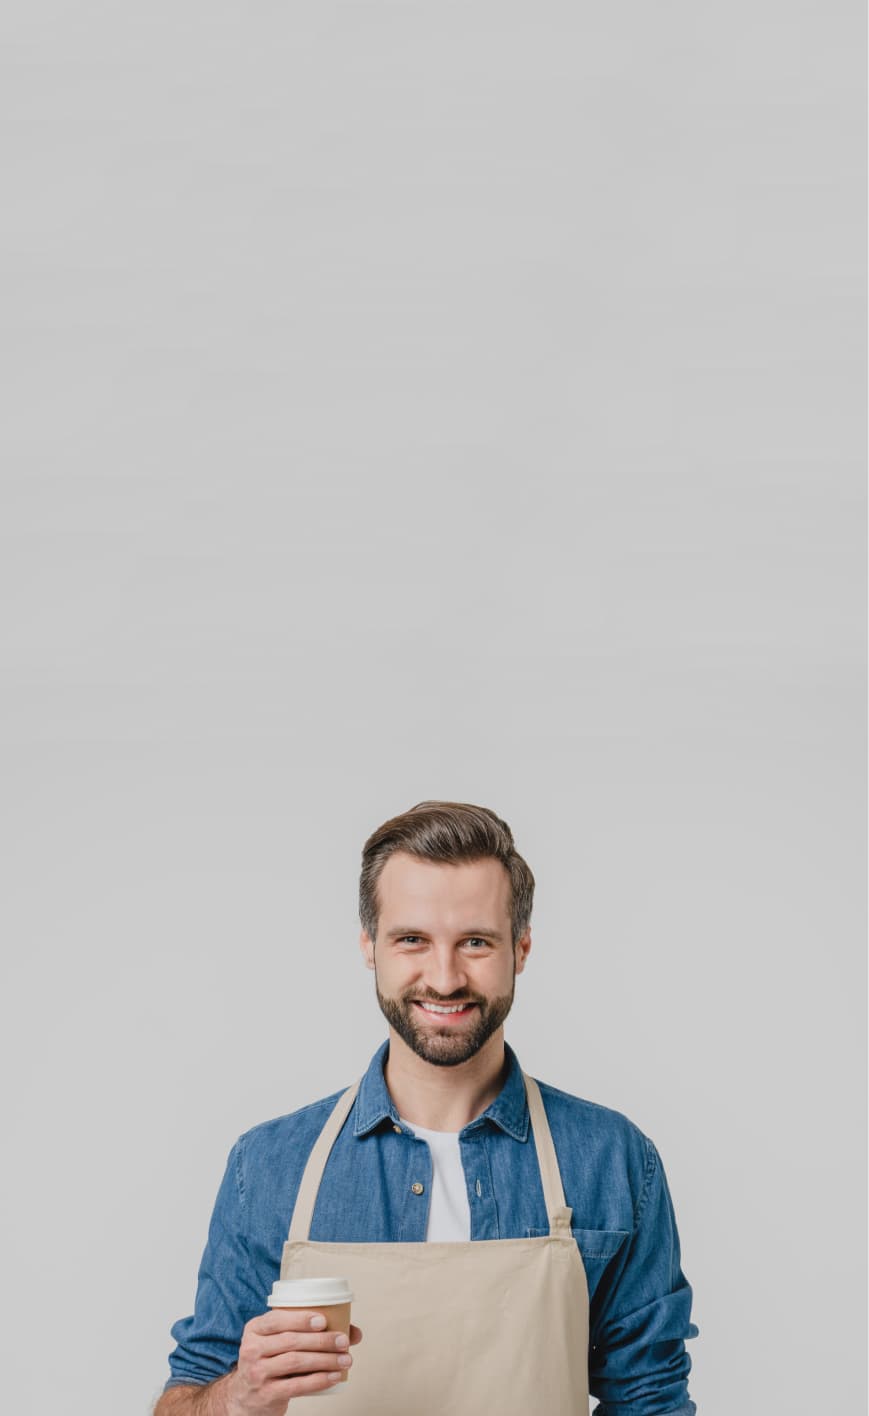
(409, 401)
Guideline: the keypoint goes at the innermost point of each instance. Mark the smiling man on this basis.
(444, 983)
(444, 1142)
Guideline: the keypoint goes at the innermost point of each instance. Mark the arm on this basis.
(231, 1358)
(235, 1275)
(208, 1400)
(637, 1357)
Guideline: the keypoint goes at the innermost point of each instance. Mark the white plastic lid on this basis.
(309, 1292)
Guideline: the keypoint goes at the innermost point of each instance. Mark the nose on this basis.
(445, 974)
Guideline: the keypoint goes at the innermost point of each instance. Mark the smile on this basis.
(443, 1010)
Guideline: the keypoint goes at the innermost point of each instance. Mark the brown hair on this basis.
(445, 831)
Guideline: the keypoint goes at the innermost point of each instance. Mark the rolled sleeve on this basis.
(638, 1364)
(230, 1289)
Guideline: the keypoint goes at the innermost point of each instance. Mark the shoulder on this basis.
(290, 1134)
(598, 1141)
(591, 1116)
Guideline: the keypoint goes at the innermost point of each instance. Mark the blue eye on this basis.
(477, 940)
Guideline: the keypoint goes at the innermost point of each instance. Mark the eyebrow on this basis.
(474, 929)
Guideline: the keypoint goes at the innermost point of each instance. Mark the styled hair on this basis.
(446, 831)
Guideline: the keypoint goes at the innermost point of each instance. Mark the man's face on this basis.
(444, 939)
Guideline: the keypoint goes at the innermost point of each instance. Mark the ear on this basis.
(366, 945)
(523, 949)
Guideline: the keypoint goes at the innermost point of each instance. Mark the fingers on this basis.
(283, 1356)
(298, 1363)
(306, 1386)
(278, 1393)
(295, 1364)
(287, 1320)
(300, 1341)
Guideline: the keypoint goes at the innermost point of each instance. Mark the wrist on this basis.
(231, 1403)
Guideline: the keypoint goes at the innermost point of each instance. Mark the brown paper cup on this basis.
(337, 1317)
(336, 1314)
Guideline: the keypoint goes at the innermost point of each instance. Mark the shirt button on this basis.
(417, 1187)
(397, 1130)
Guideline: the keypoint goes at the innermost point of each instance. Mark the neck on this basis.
(444, 1098)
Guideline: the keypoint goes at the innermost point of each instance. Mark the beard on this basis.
(449, 1045)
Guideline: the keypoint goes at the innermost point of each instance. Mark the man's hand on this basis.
(285, 1353)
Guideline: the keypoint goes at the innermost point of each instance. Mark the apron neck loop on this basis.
(300, 1225)
(553, 1191)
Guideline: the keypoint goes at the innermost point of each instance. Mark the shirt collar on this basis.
(509, 1110)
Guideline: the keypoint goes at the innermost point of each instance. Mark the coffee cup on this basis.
(329, 1296)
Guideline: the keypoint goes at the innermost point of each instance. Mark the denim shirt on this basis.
(623, 1223)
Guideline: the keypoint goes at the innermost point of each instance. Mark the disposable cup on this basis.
(329, 1296)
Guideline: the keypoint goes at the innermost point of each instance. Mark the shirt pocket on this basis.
(598, 1247)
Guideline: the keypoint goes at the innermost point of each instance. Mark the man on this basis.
(446, 1143)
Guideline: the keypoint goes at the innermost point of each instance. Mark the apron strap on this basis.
(305, 1200)
(553, 1191)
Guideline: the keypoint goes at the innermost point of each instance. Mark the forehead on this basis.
(428, 890)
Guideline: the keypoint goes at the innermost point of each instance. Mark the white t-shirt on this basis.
(449, 1214)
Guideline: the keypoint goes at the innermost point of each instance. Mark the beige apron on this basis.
(455, 1329)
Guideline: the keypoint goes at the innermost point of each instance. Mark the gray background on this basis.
(448, 400)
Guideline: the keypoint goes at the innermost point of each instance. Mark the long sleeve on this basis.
(230, 1290)
(638, 1365)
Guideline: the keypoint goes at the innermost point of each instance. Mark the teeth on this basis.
(436, 1008)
